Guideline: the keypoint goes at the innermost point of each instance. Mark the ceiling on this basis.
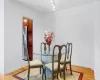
(46, 6)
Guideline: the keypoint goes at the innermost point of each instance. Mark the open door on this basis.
(28, 33)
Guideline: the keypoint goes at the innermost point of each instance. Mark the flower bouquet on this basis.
(48, 36)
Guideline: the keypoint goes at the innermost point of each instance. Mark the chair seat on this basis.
(35, 63)
(67, 60)
(49, 66)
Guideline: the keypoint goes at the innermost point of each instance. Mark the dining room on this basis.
(49, 40)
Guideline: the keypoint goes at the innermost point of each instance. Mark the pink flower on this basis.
(48, 36)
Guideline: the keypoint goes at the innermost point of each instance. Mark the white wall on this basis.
(14, 13)
(97, 40)
(50, 22)
(1, 37)
(76, 25)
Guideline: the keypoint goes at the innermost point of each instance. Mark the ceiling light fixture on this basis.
(53, 5)
(53, 9)
(51, 1)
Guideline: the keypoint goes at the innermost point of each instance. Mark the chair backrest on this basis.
(69, 50)
(60, 47)
(43, 48)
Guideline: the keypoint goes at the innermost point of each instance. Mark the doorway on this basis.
(28, 33)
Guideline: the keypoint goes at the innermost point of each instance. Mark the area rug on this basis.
(34, 75)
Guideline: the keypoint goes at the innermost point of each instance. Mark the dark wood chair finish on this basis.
(36, 66)
(59, 69)
(69, 56)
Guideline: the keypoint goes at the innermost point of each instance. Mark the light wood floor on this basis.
(88, 73)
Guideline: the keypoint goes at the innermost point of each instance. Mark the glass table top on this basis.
(45, 54)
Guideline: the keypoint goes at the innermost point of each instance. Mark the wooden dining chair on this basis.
(69, 56)
(55, 66)
(34, 64)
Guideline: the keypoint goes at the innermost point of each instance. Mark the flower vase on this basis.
(48, 49)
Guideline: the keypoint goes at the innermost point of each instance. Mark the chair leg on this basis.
(28, 73)
(40, 70)
(57, 75)
(64, 74)
(53, 77)
(66, 67)
(42, 73)
(60, 73)
(70, 68)
(45, 73)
